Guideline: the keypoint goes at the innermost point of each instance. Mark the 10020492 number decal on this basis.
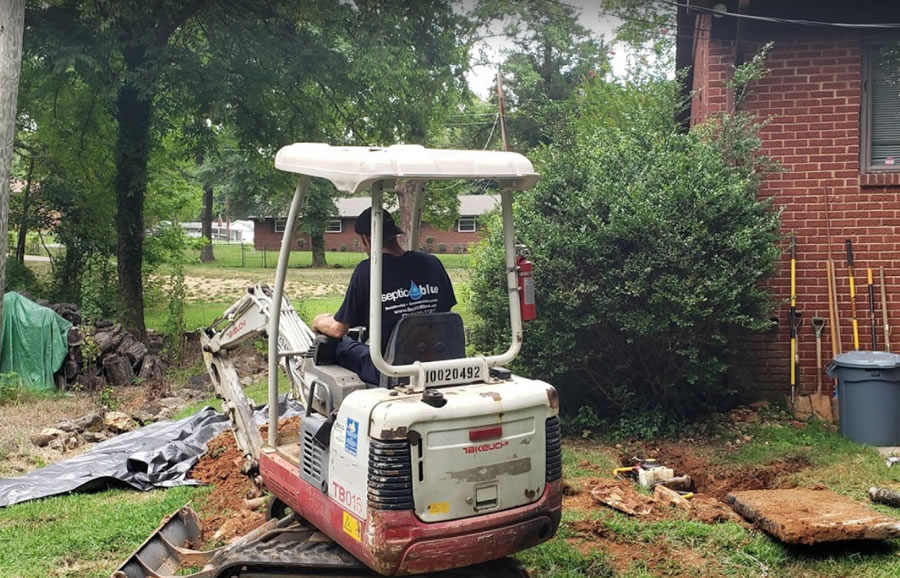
(450, 375)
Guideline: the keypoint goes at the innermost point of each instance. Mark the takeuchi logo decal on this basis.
(414, 293)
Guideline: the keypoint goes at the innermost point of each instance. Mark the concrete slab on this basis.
(889, 451)
(805, 516)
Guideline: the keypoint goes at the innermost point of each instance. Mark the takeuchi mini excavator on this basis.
(447, 467)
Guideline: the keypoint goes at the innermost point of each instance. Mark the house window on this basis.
(880, 121)
(334, 226)
(466, 225)
(280, 225)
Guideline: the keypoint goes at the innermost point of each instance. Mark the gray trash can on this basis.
(868, 396)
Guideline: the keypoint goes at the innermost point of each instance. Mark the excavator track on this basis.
(280, 548)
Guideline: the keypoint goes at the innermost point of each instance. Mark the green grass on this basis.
(83, 534)
(248, 257)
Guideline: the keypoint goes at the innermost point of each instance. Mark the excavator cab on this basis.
(451, 462)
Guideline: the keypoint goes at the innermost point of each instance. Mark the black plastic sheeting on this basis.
(159, 455)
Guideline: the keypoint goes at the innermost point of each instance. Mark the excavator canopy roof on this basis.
(353, 169)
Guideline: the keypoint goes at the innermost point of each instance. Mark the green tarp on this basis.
(34, 342)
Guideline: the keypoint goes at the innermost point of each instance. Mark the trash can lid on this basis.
(868, 359)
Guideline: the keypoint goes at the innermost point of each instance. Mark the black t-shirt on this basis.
(414, 282)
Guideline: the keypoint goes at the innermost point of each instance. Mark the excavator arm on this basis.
(247, 319)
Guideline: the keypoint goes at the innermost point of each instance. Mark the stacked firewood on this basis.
(102, 353)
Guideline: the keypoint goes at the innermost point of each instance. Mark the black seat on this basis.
(424, 337)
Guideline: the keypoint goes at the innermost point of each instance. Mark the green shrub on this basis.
(442, 248)
(649, 246)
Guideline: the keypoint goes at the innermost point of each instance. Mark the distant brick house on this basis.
(832, 98)
(339, 235)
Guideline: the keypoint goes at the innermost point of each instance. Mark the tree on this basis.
(12, 24)
(552, 54)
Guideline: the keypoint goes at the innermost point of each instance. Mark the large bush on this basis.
(649, 246)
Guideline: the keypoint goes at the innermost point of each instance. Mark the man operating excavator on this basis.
(413, 282)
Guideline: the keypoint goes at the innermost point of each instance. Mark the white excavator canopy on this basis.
(354, 169)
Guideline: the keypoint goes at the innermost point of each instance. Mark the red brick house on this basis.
(339, 235)
(832, 98)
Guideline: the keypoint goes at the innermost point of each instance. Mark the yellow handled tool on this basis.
(852, 295)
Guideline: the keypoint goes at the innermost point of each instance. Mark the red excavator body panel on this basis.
(397, 543)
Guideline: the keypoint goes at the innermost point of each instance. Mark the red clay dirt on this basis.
(224, 516)
(806, 516)
(718, 480)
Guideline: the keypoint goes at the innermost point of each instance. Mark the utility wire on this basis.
(778, 20)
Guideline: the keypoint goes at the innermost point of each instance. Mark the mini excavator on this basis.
(446, 467)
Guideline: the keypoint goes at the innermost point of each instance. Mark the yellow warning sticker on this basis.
(351, 526)
(439, 508)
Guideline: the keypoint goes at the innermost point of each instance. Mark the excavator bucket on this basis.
(166, 551)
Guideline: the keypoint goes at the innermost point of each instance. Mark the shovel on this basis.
(821, 404)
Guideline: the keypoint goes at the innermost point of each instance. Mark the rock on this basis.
(118, 370)
(246, 380)
(103, 323)
(92, 422)
(172, 402)
(95, 437)
(151, 368)
(116, 421)
(47, 435)
(760, 404)
(68, 426)
(143, 417)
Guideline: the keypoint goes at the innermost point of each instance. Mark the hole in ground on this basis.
(717, 480)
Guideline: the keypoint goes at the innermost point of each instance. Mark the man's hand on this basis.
(326, 324)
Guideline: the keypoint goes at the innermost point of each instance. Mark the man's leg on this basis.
(355, 356)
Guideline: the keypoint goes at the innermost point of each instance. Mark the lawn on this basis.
(245, 256)
(87, 535)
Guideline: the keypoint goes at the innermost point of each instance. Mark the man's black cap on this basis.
(363, 225)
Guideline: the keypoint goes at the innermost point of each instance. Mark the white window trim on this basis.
(340, 226)
(459, 225)
(280, 225)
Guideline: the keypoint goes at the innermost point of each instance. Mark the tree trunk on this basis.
(12, 25)
(132, 155)
(317, 240)
(23, 225)
(206, 254)
(406, 200)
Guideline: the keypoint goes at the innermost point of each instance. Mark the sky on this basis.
(482, 79)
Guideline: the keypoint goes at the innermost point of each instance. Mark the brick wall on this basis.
(812, 100)
(443, 241)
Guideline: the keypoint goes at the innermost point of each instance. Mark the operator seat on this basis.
(424, 337)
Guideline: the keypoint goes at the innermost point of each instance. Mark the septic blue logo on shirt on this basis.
(414, 292)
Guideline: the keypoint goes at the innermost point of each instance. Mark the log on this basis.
(151, 368)
(118, 370)
(109, 340)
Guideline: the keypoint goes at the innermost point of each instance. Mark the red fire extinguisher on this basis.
(525, 272)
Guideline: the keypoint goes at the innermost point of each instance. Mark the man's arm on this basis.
(326, 324)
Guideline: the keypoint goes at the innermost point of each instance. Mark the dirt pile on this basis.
(224, 515)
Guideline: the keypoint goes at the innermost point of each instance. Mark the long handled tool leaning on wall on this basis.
(884, 312)
(794, 318)
(871, 291)
(854, 321)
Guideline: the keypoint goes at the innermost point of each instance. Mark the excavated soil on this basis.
(224, 515)
(717, 480)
